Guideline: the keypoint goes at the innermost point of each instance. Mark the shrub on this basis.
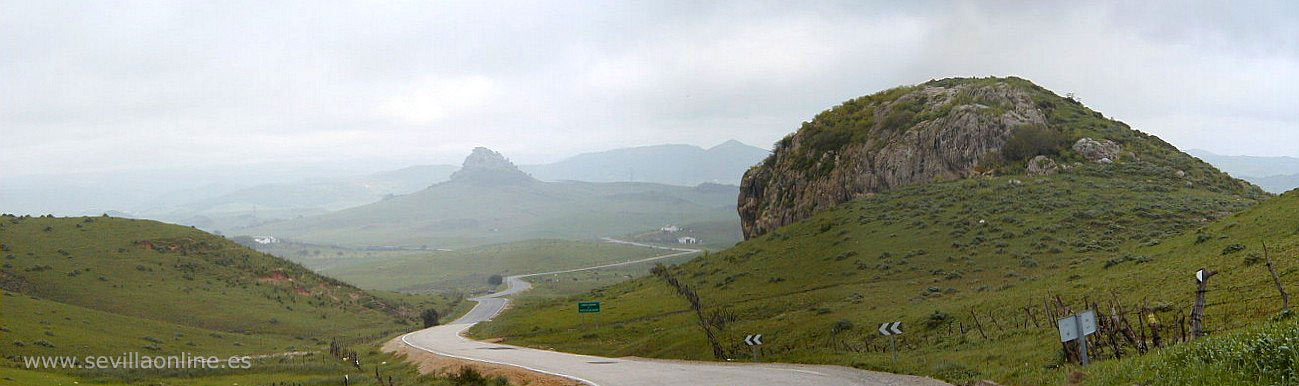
(470, 377)
(1033, 140)
(938, 319)
(430, 317)
(1230, 249)
(841, 326)
(495, 280)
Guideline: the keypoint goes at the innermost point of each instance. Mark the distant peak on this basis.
(731, 144)
(485, 165)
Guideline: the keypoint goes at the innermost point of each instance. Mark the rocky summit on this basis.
(485, 166)
(945, 130)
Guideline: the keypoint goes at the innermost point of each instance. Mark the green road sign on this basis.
(588, 307)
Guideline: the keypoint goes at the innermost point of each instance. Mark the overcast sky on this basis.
(92, 86)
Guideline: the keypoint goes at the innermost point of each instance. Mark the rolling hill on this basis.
(685, 165)
(263, 203)
(1273, 174)
(489, 200)
(105, 286)
(974, 218)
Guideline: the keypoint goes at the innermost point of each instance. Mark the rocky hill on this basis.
(946, 130)
(486, 166)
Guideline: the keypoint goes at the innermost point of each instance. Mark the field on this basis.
(467, 271)
(105, 286)
(1006, 250)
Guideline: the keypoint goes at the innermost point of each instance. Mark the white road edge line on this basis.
(682, 251)
(572, 377)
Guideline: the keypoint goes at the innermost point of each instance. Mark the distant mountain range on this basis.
(227, 199)
(490, 200)
(686, 165)
(1273, 174)
(269, 202)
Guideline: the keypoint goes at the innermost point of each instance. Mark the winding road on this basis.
(446, 340)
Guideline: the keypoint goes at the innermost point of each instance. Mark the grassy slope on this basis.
(467, 270)
(456, 214)
(906, 254)
(94, 286)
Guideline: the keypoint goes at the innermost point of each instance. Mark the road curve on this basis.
(446, 340)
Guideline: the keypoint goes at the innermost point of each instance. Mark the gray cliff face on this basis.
(952, 131)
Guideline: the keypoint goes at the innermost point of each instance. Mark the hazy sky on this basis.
(89, 86)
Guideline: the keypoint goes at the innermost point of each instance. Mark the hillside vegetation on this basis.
(105, 286)
(975, 268)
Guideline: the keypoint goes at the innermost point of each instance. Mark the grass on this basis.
(1267, 354)
(991, 246)
(104, 286)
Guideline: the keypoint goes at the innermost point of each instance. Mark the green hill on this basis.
(971, 266)
(105, 286)
(497, 203)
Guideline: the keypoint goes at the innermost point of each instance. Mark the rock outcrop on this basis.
(899, 137)
(1042, 166)
(485, 166)
(1103, 151)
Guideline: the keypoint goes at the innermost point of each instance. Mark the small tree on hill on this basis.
(430, 317)
(495, 280)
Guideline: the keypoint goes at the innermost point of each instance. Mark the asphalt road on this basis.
(598, 371)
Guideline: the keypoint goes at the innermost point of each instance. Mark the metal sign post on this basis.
(892, 330)
(754, 341)
(590, 308)
(1077, 327)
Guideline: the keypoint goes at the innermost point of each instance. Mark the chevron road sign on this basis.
(754, 341)
(891, 328)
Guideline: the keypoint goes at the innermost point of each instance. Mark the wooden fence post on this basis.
(1285, 298)
(1197, 313)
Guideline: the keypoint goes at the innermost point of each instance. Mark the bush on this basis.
(430, 317)
(495, 280)
(1033, 140)
(938, 319)
(841, 326)
(470, 377)
(1230, 249)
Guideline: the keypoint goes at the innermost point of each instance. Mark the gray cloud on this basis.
(101, 86)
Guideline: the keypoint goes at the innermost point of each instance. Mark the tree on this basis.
(495, 280)
(430, 317)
